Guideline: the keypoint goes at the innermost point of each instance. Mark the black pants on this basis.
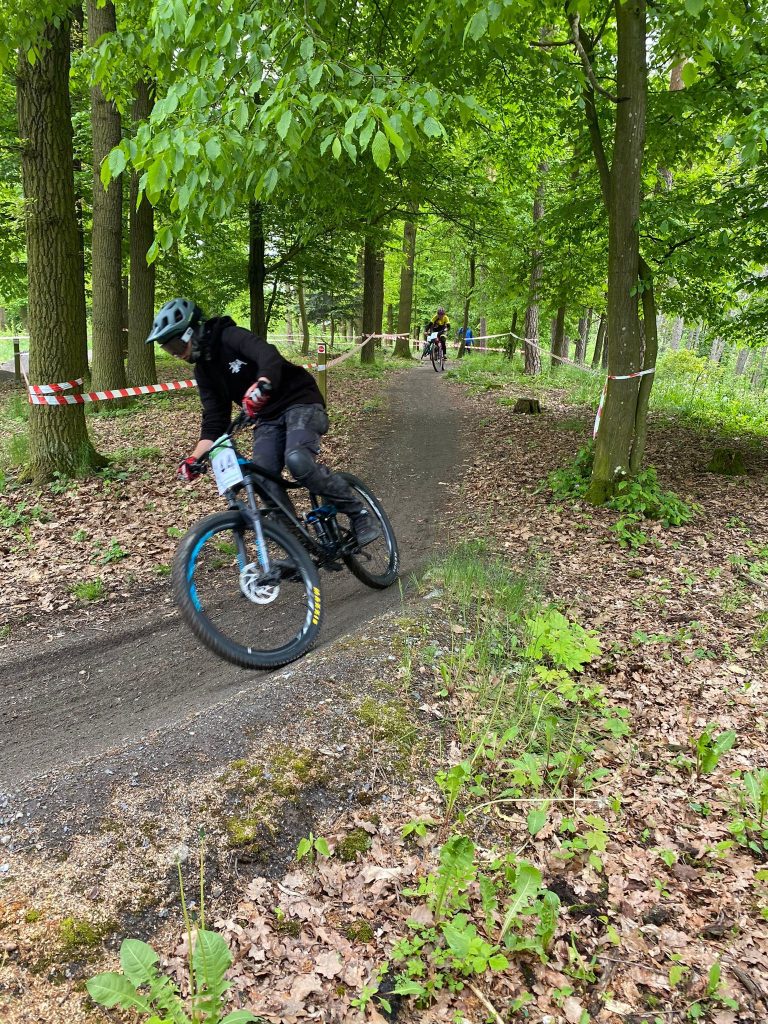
(298, 430)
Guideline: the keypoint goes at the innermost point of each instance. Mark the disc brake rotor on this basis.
(252, 585)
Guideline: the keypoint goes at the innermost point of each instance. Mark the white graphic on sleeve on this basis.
(236, 365)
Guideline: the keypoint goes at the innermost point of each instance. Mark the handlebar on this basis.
(240, 422)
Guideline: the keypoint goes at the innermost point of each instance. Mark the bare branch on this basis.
(585, 61)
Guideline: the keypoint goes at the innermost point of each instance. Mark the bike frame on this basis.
(325, 551)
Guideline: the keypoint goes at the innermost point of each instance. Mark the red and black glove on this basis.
(189, 469)
(256, 397)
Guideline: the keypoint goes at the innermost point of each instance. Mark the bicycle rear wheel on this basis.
(378, 563)
(253, 618)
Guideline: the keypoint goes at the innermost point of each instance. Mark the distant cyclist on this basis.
(441, 325)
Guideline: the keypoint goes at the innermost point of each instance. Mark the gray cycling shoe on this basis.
(364, 527)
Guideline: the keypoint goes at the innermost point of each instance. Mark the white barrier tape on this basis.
(617, 376)
(36, 398)
(50, 389)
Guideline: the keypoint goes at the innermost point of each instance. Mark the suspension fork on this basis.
(251, 511)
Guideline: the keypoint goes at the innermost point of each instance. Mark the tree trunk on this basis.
(602, 330)
(482, 329)
(619, 426)
(531, 330)
(405, 304)
(141, 291)
(257, 272)
(650, 356)
(378, 313)
(303, 316)
(367, 353)
(585, 325)
(58, 439)
(467, 303)
(676, 334)
(742, 357)
(108, 367)
(511, 345)
(757, 370)
(559, 342)
(716, 349)
(76, 46)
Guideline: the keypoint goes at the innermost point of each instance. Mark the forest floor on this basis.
(651, 842)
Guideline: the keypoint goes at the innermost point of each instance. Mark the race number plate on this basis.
(225, 466)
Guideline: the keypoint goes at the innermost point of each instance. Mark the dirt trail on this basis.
(128, 688)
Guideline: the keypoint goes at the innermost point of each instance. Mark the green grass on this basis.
(529, 718)
(88, 590)
(705, 394)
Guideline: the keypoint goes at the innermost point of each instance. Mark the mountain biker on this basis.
(441, 324)
(233, 365)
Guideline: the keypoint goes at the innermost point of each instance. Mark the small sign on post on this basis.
(322, 381)
(17, 360)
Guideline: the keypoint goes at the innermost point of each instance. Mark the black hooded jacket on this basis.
(230, 360)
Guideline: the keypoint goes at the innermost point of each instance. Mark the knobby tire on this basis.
(298, 573)
(377, 564)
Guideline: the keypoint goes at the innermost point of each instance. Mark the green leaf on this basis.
(336, 148)
(321, 845)
(725, 741)
(366, 133)
(478, 25)
(240, 116)
(432, 128)
(284, 123)
(269, 181)
(694, 7)
(527, 883)
(537, 819)
(138, 961)
(498, 962)
(239, 1017)
(112, 989)
(407, 987)
(380, 151)
(165, 241)
(157, 176)
(212, 148)
(690, 74)
(459, 939)
(307, 47)
(117, 162)
(305, 845)
(211, 960)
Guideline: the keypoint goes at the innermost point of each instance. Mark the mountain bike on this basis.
(436, 354)
(246, 580)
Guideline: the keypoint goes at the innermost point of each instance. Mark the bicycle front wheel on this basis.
(378, 563)
(253, 616)
(436, 355)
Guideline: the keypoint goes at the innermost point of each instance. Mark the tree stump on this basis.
(527, 405)
(728, 462)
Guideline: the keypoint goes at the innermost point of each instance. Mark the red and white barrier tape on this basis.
(49, 394)
(50, 389)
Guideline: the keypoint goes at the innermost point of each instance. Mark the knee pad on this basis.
(300, 464)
